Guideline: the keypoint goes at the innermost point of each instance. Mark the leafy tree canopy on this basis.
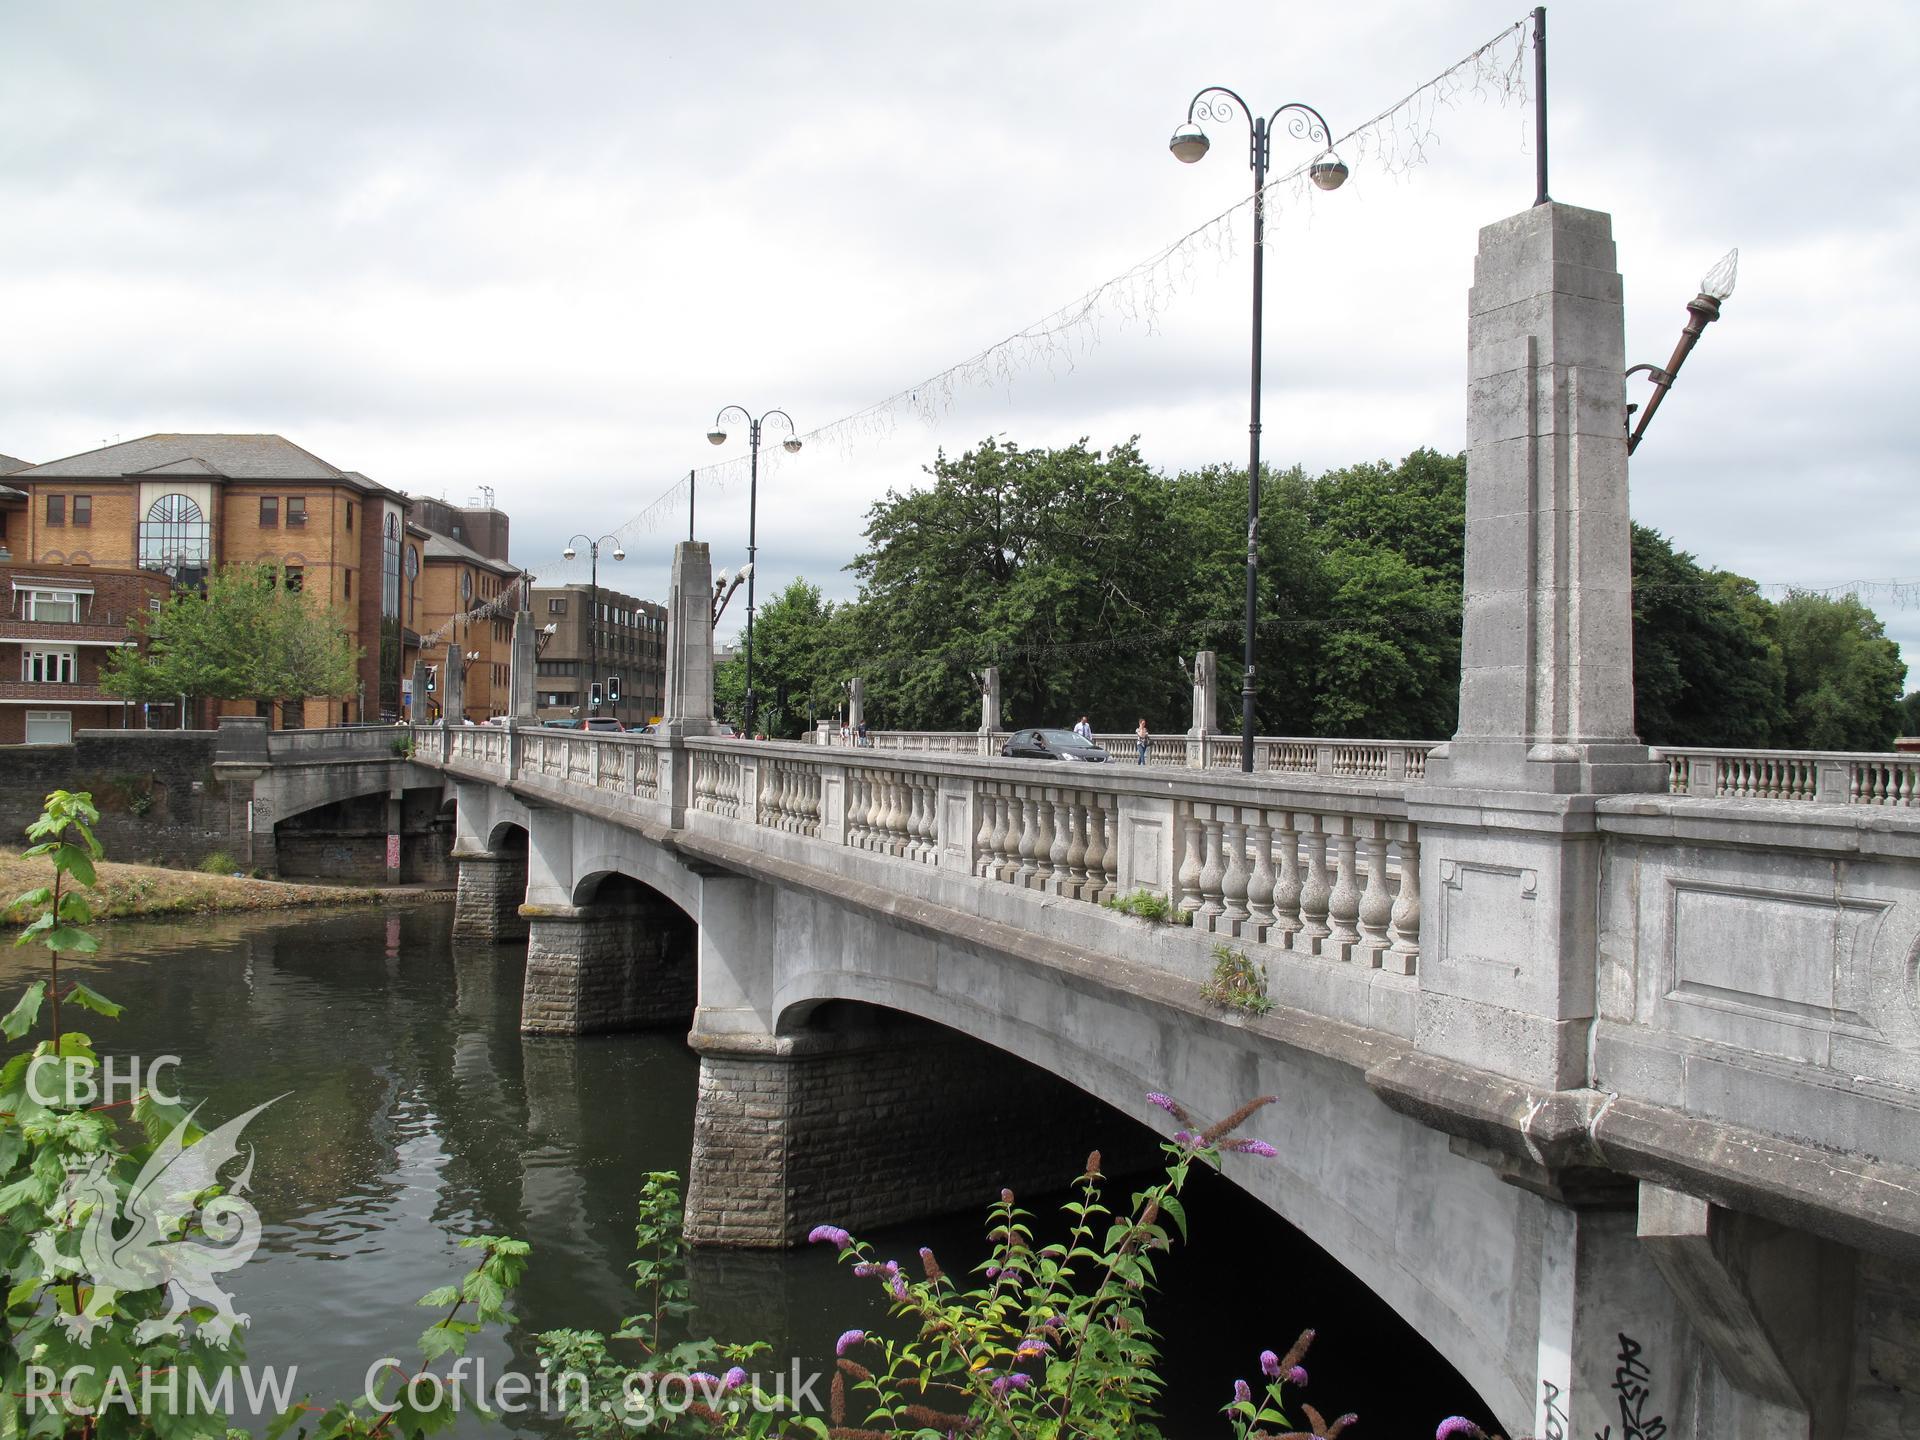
(1088, 577)
(245, 638)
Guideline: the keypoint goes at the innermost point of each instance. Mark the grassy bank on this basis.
(129, 891)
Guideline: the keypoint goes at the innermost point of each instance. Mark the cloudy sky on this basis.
(535, 248)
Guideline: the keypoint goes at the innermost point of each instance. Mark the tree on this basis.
(1910, 714)
(1844, 676)
(794, 672)
(1707, 669)
(245, 638)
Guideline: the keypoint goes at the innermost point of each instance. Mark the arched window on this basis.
(413, 578)
(176, 538)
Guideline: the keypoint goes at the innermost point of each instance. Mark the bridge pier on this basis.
(491, 888)
(622, 961)
(876, 1118)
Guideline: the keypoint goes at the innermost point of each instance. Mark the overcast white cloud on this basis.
(535, 248)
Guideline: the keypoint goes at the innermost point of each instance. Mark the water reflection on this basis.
(412, 1111)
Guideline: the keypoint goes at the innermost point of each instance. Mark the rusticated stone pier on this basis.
(622, 961)
(875, 1118)
(492, 885)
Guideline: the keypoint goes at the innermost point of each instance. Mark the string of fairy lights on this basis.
(1393, 142)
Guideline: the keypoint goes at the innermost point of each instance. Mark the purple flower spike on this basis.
(1015, 1381)
(734, 1378)
(1270, 1364)
(1182, 1137)
(898, 1287)
(1030, 1347)
(1458, 1427)
(829, 1235)
(1242, 1392)
(1251, 1147)
(1165, 1102)
(848, 1339)
(704, 1380)
(1297, 1375)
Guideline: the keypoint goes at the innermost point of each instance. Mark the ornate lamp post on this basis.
(1715, 286)
(1329, 172)
(718, 436)
(593, 606)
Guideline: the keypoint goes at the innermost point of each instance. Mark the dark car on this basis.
(1052, 745)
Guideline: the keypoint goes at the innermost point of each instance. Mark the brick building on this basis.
(628, 638)
(176, 506)
(456, 580)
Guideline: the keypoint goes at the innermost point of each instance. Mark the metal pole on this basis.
(1253, 442)
(690, 475)
(1540, 104)
(593, 623)
(753, 504)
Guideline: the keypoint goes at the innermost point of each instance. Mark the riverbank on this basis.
(138, 891)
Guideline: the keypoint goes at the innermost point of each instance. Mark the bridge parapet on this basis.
(1307, 866)
(292, 747)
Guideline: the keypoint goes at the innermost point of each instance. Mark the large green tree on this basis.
(799, 657)
(1707, 669)
(245, 638)
(1087, 577)
(1844, 676)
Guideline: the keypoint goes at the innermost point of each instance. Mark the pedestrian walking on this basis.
(1141, 739)
(1084, 729)
(862, 739)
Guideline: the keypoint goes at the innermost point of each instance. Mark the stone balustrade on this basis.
(1833, 777)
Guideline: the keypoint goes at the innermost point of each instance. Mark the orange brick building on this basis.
(176, 506)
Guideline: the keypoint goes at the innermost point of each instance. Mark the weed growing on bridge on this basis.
(1237, 982)
(1144, 903)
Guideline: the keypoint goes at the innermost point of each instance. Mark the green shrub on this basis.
(218, 862)
(1237, 981)
(403, 747)
(1144, 903)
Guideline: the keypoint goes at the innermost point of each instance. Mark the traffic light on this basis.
(613, 689)
(593, 699)
(433, 678)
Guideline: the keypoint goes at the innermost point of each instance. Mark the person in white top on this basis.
(1084, 729)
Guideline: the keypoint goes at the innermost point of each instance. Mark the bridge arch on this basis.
(1430, 1233)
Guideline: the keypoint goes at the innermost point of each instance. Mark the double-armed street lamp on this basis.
(1329, 172)
(593, 608)
(718, 436)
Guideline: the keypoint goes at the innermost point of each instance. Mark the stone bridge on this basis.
(1600, 1065)
(339, 804)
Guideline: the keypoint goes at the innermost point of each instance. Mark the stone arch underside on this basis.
(1436, 1236)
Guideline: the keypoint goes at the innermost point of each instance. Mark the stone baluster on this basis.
(930, 819)
(1260, 883)
(1062, 846)
(1404, 957)
(1343, 903)
(1099, 875)
(983, 837)
(1315, 888)
(1075, 883)
(887, 826)
(1376, 904)
(1188, 878)
(910, 801)
(1234, 883)
(1042, 841)
(1029, 829)
(1212, 871)
(993, 863)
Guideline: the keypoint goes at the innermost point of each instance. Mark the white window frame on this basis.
(58, 665)
(33, 597)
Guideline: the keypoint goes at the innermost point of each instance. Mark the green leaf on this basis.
(88, 998)
(65, 938)
(76, 861)
(19, 1020)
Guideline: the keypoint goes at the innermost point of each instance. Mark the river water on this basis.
(408, 1110)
